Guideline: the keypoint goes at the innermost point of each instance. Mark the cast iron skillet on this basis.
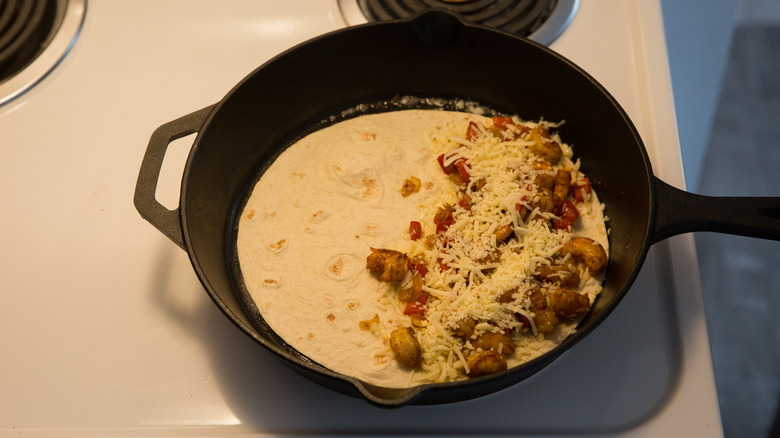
(440, 58)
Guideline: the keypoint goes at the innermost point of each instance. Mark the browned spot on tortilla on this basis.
(317, 214)
(270, 214)
(367, 136)
(370, 187)
(278, 245)
(337, 267)
(270, 282)
(250, 214)
(300, 175)
(428, 185)
(331, 317)
(352, 305)
(311, 335)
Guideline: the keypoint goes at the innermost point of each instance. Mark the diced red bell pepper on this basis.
(442, 226)
(502, 122)
(463, 169)
(465, 202)
(446, 169)
(568, 214)
(580, 188)
(473, 132)
(458, 166)
(414, 308)
(417, 307)
(442, 265)
(417, 265)
(506, 124)
(415, 230)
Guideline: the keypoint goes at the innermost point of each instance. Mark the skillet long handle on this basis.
(167, 221)
(679, 212)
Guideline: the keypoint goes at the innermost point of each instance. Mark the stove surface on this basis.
(106, 330)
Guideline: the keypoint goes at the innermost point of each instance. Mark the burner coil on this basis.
(26, 27)
(518, 17)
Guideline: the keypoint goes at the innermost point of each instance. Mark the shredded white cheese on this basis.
(468, 269)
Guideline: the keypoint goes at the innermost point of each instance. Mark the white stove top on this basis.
(105, 329)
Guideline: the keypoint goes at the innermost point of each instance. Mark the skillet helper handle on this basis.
(679, 212)
(166, 220)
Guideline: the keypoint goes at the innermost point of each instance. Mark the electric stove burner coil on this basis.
(518, 17)
(35, 35)
(26, 27)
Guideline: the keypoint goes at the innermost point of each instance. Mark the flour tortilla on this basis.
(309, 224)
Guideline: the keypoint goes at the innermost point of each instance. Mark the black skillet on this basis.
(439, 58)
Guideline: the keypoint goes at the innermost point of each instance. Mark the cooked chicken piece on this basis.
(387, 264)
(561, 188)
(545, 320)
(485, 362)
(545, 180)
(506, 296)
(494, 341)
(545, 147)
(405, 346)
(493, 255)
(465, 327)
(588, 252)
(562, 274)
(538, 300)
(503, 233)
(543, 200)
(569, 304)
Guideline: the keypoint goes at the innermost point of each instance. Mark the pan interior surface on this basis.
(437, 58)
